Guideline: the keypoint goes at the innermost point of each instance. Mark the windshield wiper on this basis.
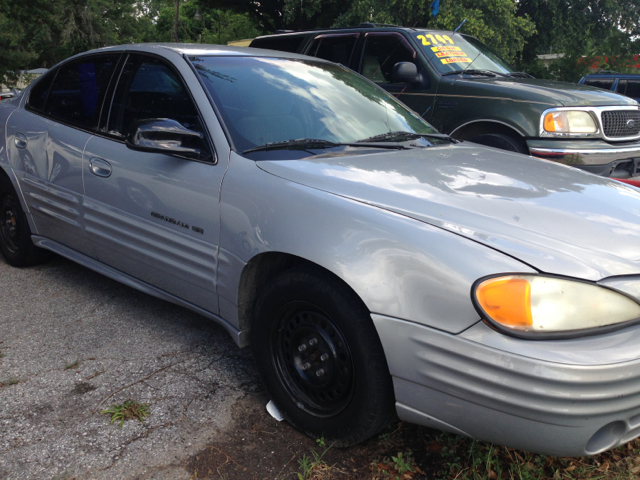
(391, 136)
(521, 75)
(395, 136)
(486, 73)
(295, 144)
(313, 143)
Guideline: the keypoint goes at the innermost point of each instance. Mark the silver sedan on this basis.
(375, 266)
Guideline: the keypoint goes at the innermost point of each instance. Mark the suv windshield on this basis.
(266, 100)
(455, 53)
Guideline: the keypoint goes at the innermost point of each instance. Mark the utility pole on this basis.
(175, 22)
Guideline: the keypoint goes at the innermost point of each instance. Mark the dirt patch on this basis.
(258, 447)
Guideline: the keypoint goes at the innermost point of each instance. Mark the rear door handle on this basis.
(100, 167)
(20, 140)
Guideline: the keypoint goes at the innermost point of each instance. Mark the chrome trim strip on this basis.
(587, 156)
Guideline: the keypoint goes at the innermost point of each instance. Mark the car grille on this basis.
(621, 123)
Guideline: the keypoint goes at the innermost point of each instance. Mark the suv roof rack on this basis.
(374, 25)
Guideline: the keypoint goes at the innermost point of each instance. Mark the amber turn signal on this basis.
(506, 300)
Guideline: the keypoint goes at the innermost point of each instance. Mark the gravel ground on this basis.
(73, 342)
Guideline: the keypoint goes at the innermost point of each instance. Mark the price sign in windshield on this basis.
(447, 52)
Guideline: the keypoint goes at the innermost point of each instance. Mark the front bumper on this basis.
(595, 156)
(568, 397)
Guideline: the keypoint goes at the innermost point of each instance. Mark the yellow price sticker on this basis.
(428, 39)
(455, 60)
(450, 54)
(444, 49)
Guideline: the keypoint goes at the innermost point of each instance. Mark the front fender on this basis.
(399, 267)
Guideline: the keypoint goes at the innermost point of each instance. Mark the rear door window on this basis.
(605, 83)
(78, 90)
(335, 48)
(39, 92)
(633, 89)
(381, 52)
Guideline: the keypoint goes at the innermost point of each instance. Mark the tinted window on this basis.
(335, 48)
(622, 86)
(283, 43)
(600, 83)
(149, 89)
(265, 100)
(381, 52)
(77, 92)
(633, 89)
(40, 90)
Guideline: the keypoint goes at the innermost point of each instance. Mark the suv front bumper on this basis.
(562, 397)
(595, 156)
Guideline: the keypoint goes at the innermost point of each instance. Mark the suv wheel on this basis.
(504, 142)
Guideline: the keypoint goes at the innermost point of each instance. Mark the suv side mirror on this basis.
(163, 135)
(405, 72)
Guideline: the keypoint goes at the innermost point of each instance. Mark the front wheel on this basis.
(504, 142)
(320, 357)
(15, 236)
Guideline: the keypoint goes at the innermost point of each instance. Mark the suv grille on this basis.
(621, 123)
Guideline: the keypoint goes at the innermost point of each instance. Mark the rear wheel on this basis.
(15, 237)
(504, 142)
(320, 357)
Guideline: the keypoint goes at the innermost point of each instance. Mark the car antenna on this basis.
(459, 26)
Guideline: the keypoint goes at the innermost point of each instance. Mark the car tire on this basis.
(504, 142)
(15, 236)
(320, 357)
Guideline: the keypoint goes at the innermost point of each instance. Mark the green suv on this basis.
(467, 91)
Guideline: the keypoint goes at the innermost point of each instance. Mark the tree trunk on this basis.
(175, 22)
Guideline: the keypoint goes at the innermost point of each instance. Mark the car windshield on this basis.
(455, 53)
(266, 100)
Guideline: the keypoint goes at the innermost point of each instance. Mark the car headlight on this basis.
(567, 122)
(532, 305)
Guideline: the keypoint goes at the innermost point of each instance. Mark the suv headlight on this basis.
(532, 306)
(568, 122)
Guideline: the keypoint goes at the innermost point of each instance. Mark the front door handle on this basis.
(100, 167)
(20, 140)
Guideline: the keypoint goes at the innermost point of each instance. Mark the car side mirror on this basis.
(405, 72)
(163, 135)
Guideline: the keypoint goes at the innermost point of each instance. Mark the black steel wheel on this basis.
(504, 142)
(15, 237)
(320, 357)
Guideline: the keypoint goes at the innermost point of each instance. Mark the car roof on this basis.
(195, 49)
(357, 28)
(613, 75)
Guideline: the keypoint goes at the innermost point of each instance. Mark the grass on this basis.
(11, 381)
(399, 467)
(310, 467)
(75, 364)
(129, 410)
(466, 459)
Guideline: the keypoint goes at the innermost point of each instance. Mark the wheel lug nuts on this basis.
(302, 347)
(324, 357)
(313, 341)
(306, 366)
(320, 372)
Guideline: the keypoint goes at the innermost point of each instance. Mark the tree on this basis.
(591, 29)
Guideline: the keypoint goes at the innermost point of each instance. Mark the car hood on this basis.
(556, 219)
(543, 91)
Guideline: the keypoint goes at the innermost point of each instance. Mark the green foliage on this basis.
(129, 410)
(40, 33)
(308, 465)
